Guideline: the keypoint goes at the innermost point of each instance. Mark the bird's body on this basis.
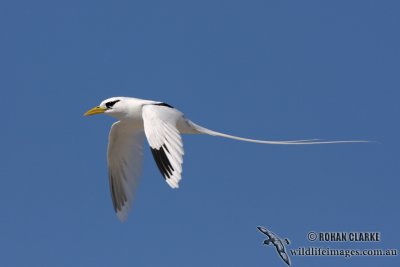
(162, 125)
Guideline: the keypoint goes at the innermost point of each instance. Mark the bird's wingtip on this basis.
(122, 217)
(260, 228)
(123, 214)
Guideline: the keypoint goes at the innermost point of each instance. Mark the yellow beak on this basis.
(95, 110)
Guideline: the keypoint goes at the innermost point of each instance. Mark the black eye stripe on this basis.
(111, 103)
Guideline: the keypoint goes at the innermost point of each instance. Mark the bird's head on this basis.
(114, 106)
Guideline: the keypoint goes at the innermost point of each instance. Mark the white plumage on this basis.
(162, 125)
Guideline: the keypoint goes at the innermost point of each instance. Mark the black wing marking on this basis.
(162, 161)
(164, 104)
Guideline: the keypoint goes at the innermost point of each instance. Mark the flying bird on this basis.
(273, 239)
(162, 126)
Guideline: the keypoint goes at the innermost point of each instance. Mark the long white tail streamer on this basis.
(201, 129)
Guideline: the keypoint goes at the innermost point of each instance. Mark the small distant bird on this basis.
(162, 125)
(273, 239)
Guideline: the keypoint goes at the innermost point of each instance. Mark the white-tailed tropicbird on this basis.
(162, 125)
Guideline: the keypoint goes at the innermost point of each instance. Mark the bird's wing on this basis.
(160, 126)
(285, 257)
(125, 156)
(265, 231)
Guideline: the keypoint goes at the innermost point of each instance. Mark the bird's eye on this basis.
(111, 103)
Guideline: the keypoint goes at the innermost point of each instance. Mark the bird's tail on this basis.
(200, 129)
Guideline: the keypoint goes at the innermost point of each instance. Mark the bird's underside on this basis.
(162, 125)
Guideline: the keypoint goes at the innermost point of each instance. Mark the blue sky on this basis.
(259, 69)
